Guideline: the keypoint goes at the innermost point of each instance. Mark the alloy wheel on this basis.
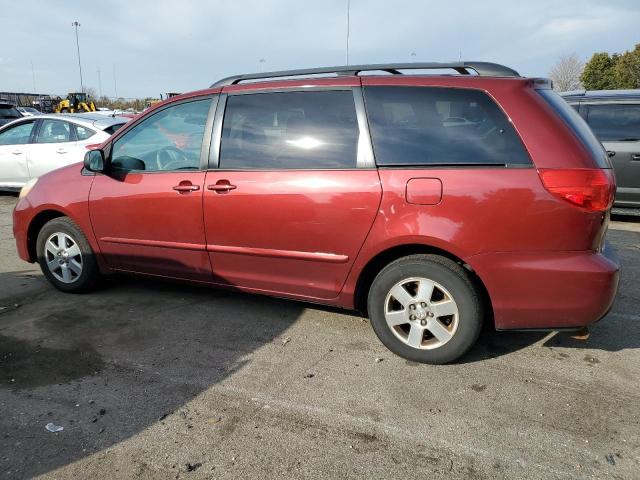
(421, 313)
(63, 257)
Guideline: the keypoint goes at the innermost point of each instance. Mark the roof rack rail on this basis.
(463, 68)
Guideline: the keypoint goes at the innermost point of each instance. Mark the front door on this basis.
(290, 205)
(14, 153)
(146, 211)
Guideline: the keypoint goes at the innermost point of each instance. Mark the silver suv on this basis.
(614, 116)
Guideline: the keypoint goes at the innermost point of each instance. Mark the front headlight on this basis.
(27, 187)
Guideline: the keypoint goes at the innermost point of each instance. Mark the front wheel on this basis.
(425, 308)
(65, 256)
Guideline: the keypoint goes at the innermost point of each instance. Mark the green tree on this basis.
(627, 69)
(599, 73)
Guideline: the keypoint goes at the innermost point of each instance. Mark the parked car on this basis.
(8, 112)
(28, 111)
(36, 145)
(354, 191)
(614, 116)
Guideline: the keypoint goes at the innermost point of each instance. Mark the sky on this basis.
(159, 46)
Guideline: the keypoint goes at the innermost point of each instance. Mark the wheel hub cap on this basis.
(63, 257)
(421, 313)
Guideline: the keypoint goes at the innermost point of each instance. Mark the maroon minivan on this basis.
(433, 203)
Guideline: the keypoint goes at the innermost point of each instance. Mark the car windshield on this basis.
(9, 112)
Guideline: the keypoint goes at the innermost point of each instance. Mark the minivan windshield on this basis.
(578, 125)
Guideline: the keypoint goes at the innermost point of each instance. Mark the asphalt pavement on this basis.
(159, 380)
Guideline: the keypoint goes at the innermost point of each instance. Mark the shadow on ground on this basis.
(107, 366)
(110, 364)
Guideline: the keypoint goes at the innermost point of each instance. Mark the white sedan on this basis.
(33, 146)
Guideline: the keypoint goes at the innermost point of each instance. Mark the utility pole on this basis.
(115, 85)
(99, 83)
(348, 27)
(76, 24)
(33, 77)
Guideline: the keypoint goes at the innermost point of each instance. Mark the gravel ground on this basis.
(159, 380)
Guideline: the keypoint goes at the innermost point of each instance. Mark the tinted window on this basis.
(18, 135)
(168, 140)
(291, 130)
(427, 125)
(83, 133)
(54, 131)
(578, 125)
(615, 122)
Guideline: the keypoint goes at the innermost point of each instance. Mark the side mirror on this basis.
(94, 161)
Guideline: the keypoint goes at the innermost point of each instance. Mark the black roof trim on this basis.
(463, 68)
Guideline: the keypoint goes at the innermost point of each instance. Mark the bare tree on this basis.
(566, 73)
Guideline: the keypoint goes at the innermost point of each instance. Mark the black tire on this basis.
(64, 110)
(455, 280)
(89, 275)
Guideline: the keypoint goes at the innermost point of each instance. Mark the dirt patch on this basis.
(25, 364)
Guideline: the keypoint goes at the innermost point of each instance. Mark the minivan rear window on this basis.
(578, 125)
(440, 126)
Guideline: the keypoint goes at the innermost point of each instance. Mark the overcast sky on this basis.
(166, 45)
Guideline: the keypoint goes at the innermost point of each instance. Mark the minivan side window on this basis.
(440, 126)
(166, 141)
(290, 130)
(615, 122)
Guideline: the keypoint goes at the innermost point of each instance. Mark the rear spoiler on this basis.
(541, 83)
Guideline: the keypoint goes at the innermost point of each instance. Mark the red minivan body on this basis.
(530, 237)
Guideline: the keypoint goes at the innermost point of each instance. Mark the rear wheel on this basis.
(65, 256)
(425, 308)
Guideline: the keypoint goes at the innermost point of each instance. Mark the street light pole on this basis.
(33, 77)
(348, 27)
(99, 83)
(76, 24)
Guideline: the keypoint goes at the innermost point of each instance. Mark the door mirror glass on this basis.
(94, 161)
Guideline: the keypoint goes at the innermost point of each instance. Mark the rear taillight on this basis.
(591, 189)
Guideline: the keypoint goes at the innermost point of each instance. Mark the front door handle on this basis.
(635, 156)
(222, 186)
(61, 150)
(186, 187)
(17, 152)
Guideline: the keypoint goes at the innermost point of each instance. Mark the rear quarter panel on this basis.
(482, 210)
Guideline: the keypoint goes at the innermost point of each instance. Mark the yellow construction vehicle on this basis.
(75, 102)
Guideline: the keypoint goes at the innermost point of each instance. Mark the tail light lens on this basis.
(591, 189)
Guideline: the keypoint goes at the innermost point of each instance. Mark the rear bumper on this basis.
(548, 290)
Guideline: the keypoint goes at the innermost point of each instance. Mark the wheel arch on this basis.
(383, 258)
(36, 224)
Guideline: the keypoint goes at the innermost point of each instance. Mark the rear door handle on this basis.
(221, 186)
(17, 152)
(635, 156)
(61, 150)
(186, 187)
